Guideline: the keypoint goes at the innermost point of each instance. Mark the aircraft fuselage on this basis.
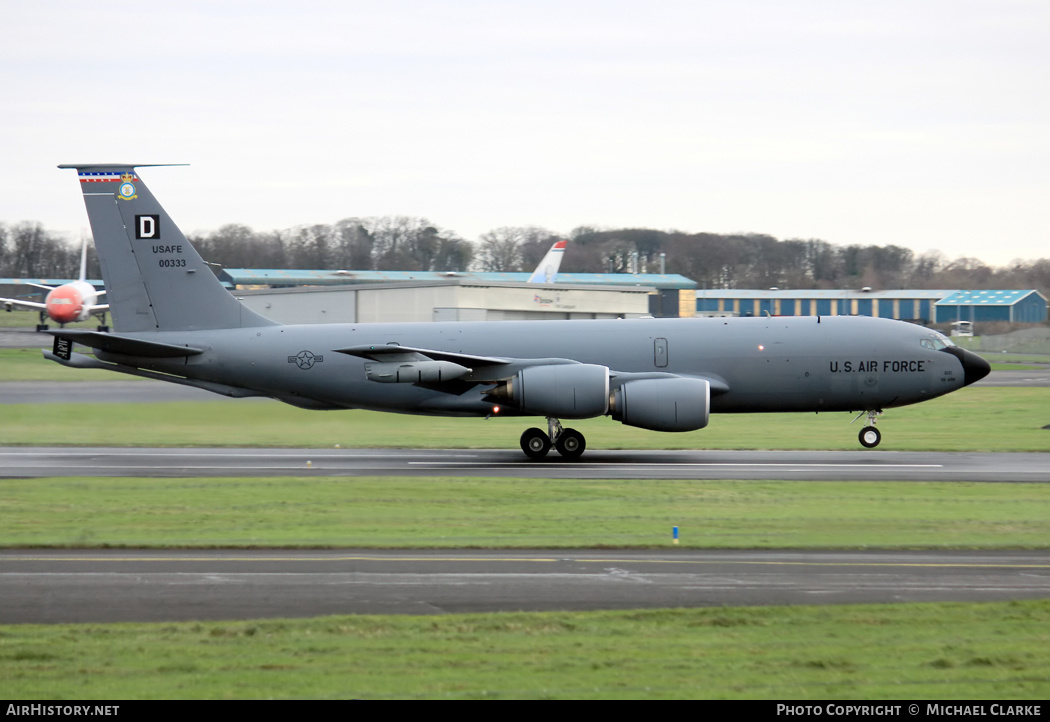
(175, 322)
(769, 364)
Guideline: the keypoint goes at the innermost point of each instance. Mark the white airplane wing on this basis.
(22, 304)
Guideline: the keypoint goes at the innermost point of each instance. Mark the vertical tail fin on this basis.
(83, 259)
(155, 280)
(547, 271)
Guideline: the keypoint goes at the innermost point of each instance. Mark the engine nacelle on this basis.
(567, 391)
(676, 404)
(415, 372)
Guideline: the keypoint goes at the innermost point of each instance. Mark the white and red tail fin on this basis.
(155, 280)
(83, 259)
(547, 271)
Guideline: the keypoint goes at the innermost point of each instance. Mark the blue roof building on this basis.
(988, 306)
(935, 306)
(902, 305)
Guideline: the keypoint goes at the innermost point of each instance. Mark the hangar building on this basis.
(449, 300)
(938, 306)
(304, 296)
(988, 306)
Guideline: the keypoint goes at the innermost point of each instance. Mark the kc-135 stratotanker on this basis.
(173, 320)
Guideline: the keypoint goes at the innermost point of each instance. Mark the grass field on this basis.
(28, 364)
(455, 512)
(916, 651)
(892, 652)
(19, 319)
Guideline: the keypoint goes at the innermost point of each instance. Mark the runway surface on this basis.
(112, 586)
(29, 462)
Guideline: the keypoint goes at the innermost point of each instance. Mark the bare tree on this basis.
(513, 248)
(36, 252)
(410, 243)
(3, 247)
(238, 246)
(353, 245)
(499, 250)
(391, 238)
(310, 247)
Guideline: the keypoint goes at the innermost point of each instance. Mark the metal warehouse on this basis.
(308, 296)
(988, 306)
(935, 306)
(450, 300)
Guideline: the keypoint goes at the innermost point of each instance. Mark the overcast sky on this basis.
(922, 124)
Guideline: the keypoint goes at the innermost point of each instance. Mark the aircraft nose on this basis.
(975, 368)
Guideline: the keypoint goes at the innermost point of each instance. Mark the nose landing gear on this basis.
(870, 436)
(570, 443)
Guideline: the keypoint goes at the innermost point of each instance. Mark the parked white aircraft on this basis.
(69, 303)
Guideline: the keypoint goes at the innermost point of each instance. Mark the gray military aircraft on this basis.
(174, 321)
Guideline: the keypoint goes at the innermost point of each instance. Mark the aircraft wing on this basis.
(24, 304)
(401, 364)
(430, 367)
(399, 354)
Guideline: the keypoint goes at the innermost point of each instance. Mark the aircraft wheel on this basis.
(570, 444)
(870, 437)
(103, 328)
(535, 443)
(41, 327)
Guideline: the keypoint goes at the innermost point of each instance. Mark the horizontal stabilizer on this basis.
(80, 361)
(127, 346)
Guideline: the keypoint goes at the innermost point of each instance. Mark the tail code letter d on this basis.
(147, 227)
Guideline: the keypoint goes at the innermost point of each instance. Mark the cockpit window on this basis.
(935, 342)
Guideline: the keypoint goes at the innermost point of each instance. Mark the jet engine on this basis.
(568, 391)
(670, 404)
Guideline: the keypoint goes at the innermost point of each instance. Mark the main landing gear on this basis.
(870, 436)
(569, 442)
